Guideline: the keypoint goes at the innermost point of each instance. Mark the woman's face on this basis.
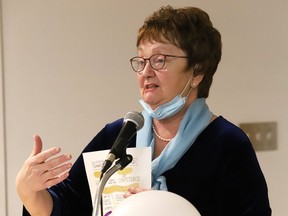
(161, 86)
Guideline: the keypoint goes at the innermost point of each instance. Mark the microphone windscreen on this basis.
(135, 117)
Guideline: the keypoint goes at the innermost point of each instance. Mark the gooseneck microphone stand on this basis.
(120, 164)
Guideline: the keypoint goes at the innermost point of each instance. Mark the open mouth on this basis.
(151, 86)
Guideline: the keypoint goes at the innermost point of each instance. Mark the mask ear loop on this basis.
(187, 84)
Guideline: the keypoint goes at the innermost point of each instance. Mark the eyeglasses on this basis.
(156, 61)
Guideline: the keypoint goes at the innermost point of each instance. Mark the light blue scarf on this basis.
(194, 122)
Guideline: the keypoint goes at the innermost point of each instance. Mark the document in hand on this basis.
(137, 174)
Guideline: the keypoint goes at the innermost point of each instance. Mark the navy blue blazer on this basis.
(219, 174)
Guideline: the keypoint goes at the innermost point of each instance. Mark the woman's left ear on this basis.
(197, 75)
(196, 80)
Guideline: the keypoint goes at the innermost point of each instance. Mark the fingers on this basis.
(55, 162)
(55, 180)
(56, 175)
(43, 175)
(134, 190)
(37, 155)
(50, 168)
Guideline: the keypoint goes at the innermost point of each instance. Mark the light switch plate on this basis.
(263, 135)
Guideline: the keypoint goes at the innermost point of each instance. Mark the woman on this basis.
(196, 154)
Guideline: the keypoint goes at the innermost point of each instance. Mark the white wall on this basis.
(67, 73)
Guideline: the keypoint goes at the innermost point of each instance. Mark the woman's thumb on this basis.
(37, 148)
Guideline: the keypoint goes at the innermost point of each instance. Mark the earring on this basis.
(193, 85)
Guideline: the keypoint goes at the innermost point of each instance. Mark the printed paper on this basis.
(137, 173)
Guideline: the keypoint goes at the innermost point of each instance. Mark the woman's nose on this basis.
(148, 70)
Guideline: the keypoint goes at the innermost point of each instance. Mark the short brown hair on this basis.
(191, 30)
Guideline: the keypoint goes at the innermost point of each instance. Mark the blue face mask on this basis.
(165, 110)
(168, 109)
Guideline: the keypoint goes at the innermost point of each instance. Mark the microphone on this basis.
(133, 121)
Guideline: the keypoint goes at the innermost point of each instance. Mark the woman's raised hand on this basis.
(41, 170)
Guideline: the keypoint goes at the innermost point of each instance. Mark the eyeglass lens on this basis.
(156, 62)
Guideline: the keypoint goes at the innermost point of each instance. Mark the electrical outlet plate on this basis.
(263, 135)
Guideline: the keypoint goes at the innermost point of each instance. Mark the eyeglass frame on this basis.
(148, 59)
